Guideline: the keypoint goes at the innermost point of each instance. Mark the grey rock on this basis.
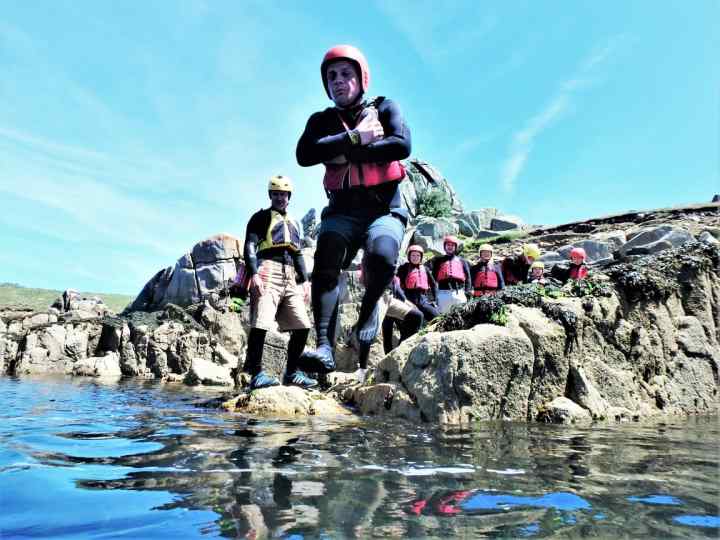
(654, 240)
(562, 410)
(506, 223)
(206, 372)
(421, 176)
(105, 367)
(708, 238)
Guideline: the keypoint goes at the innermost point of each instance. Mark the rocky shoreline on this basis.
(641, 338)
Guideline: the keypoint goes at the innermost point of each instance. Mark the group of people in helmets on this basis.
(360, 141)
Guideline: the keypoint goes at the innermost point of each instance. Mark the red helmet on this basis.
(579, 252)
(452, 239)
(352, 54)
(415, 247)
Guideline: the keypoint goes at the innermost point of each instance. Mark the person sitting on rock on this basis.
(516, 268)
(486, 274)
(418, 283)
(276, 272)
(537, 273)
(400, 311)
(578, 270)
(452, 274)
(360, 141)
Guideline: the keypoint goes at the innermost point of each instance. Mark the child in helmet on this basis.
(487, 277)
(537, 273)
(515, 269)
(452, 274)
(360, 141)
(578, 270)
(418, 283)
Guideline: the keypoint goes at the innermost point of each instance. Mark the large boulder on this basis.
(429, 232)
(477, 222)
(457, 376)
(206, 372)
(652, 240)
(211, 264)
(505, 223)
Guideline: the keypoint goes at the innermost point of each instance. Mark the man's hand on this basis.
(256, 285)
(370, 129)
(306, 291)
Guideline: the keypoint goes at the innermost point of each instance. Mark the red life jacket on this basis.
(417, 279)
(578, 271)
(486, 280)
(451, 269)
(351, 174)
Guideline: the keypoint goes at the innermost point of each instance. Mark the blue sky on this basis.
(131, 130)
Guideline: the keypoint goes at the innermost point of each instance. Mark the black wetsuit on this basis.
(368, 217)
(417, 296)
(256, 230)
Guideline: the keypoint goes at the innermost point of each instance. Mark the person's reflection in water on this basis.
(264, 509)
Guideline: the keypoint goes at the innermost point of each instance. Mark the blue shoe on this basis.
(299, 378)
(263, 380)
(320, 360)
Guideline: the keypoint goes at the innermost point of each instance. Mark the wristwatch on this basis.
(354, 137)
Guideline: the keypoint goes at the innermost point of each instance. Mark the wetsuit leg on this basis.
(298, 339)
(329, 256)
(381, 252)
(388, 325)
(429, 311)
(411, 324)
(254, 352)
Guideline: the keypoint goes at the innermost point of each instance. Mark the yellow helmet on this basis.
(531, 250)
(280, 183)
(538, 264)
(485, 247)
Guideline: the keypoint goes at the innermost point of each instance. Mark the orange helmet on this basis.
(452, 239)
(578, 252)
(416, 248)
(352, 54)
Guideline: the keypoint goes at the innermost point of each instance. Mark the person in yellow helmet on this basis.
(515, 269)
(278, 284)
(537, 273)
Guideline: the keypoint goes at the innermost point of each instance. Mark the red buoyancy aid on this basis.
(361, 174)
(485, 280)
(417, 279)
(451, 269)
(578, 271)
(339, 176)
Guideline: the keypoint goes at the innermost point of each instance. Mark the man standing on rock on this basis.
(360, 141)
(277, 271)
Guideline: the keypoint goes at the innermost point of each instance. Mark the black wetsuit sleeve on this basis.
(396, 144)
(501, 279)
(316, 146)
(253, 232)
(468, 280)
(402, 274)
(299, 264)
(398, 291)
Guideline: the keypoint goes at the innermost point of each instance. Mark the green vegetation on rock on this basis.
(434, 203)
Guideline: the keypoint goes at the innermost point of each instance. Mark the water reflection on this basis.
(160, 465)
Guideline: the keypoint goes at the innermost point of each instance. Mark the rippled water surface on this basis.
(80, 459)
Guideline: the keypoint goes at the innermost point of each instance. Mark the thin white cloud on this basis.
(522, 141)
